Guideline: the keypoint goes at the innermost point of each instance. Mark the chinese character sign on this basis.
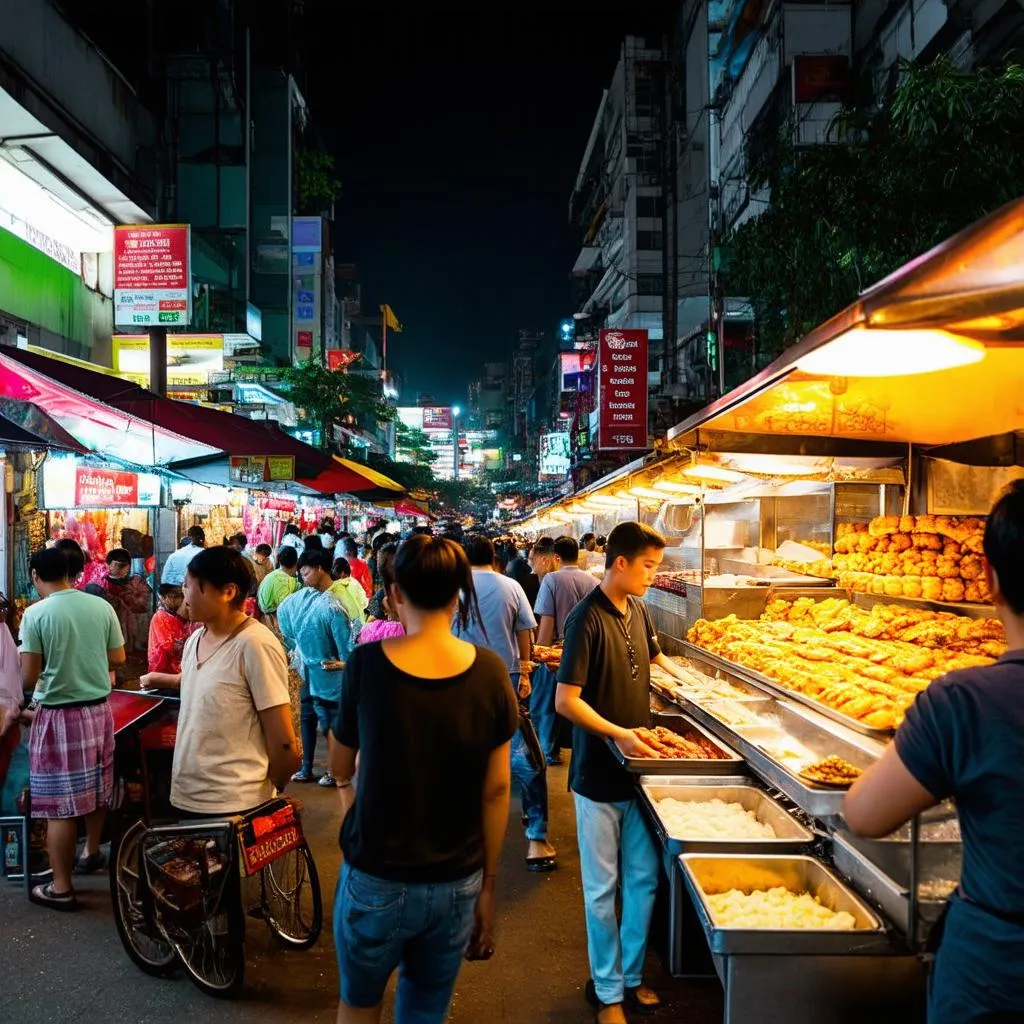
(622, 389)
(152, 275)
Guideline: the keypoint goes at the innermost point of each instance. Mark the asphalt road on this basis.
(71, 967)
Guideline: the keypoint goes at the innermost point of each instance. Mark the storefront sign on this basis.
(554, 456)
(191, 358)
(341, 358)
(260, 469)
(622, 389)
(437, 417)
(68, 484)
(152, 275)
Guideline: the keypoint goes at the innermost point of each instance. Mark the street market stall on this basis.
(825, 524)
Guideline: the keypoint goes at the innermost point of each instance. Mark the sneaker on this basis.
(327, 779)
(47, 896)
(91, 864)
(303, 775)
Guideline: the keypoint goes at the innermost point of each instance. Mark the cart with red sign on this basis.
(182, 892)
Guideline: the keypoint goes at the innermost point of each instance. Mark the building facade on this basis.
(741, 71)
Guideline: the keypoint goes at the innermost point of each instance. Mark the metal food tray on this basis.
(695, 653)
(881, 870)
(731, 764)
(722, 872)
(790, 835)
(817, 736)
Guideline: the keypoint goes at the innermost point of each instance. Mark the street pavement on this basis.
(71, 967)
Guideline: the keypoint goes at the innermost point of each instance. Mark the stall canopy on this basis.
(16, 437)
(932, 355)
(92, 422)
(214, 435)
(346, 477)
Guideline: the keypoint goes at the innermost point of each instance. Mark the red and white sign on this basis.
(622, 389)
(437, 417)
(105, 488)
(152, 275)
(340, 358)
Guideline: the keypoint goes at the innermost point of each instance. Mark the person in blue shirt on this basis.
(503, 622)
(320, 636)
(963, 738)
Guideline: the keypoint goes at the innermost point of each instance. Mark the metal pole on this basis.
(158, 360)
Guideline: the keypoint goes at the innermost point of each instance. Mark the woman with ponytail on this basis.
(431, 718)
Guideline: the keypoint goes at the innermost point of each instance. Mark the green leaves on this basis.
(946, 150)
(328, 396)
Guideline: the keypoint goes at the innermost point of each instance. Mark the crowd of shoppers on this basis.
(423, 680)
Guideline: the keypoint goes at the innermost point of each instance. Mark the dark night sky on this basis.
(458, 138)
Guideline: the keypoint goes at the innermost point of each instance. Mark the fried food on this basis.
(832, 771)
(668, 744)
(549, 656)
(867, 665)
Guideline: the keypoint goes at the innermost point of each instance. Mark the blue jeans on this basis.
(533, 788)
(420, 930)
(542, 710)
(606, 833)
(315, 716)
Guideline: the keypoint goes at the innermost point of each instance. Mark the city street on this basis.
(71, 967)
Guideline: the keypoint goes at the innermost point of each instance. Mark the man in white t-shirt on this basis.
(236, 744)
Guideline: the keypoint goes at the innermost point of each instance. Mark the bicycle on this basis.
(182, 891)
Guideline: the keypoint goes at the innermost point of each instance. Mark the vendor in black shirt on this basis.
(963, 738)
(431, 717)
(604, 690)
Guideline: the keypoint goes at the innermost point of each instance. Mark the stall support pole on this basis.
(158, 360)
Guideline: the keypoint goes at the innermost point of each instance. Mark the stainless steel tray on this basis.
(722, 872)
(814, 734)
(731, 764)
(881, 870)
(698, 654)
(790, 835)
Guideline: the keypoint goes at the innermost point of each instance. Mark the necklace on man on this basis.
(231, 636)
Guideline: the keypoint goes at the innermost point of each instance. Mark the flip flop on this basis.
(540, 864)
(47, 896)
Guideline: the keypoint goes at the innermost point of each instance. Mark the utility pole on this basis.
(158, 360)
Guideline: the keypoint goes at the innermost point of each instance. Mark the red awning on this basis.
(227, 433)
(346, 477)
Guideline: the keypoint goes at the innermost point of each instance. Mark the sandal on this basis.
(642, 999)
(90, 864)
(541, 864)
(47, 896)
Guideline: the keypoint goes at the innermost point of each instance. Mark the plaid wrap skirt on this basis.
(71, 761)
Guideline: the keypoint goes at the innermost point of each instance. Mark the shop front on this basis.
(824, 566)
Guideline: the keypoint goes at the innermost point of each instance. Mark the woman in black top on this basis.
(431, 718)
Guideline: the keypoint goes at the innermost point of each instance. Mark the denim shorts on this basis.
(380, 926)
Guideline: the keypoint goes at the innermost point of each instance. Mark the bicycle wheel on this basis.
(290, 898)
(213, 953)
(140, 936)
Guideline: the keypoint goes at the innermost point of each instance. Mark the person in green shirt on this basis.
(349, 592)
(279, 583)
(70, 641)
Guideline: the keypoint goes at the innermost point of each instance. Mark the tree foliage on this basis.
(316, 185)
(414, 444)
(326, 397)
(945, 151)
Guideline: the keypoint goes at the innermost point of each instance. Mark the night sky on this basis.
(458, 138)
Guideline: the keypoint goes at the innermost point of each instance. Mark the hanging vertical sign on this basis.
(152, 275)
(622, 389)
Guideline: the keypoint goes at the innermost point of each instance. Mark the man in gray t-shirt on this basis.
(560, 592)
(505, 625)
